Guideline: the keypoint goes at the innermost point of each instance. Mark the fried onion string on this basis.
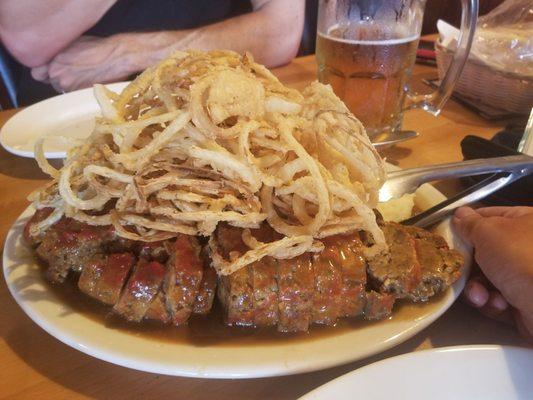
(204, 138)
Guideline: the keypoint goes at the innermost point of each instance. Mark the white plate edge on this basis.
(6, 128)
(415, 354)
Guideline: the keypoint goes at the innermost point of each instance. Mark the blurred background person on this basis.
(74, 43)
(64, 45)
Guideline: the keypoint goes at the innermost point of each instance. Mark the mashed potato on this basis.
(397, 210)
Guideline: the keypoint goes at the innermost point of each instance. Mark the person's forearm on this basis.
(34, 31)
(271, 34)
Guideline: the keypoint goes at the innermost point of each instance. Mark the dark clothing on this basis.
(141, 16)
(160, 15)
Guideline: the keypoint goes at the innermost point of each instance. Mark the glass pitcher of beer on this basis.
(366, 51)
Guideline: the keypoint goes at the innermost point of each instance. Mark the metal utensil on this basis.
(472, 194)
(388, 139)
(407, 181)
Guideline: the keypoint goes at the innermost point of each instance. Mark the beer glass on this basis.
(366, 51)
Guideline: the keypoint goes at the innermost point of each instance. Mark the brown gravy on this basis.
(208, 330)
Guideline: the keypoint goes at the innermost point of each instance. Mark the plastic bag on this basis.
(504, 38)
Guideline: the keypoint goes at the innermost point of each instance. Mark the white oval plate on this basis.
(461, 372)
(26, 284)
(69, 115)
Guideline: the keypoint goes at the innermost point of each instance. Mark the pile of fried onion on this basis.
(209, 137)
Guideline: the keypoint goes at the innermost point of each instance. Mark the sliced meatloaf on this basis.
(91, 275)
(236, 295)
(183, 277)
(296, 289)
(440, 265)
(347, 251)
(106, 263)
(158, 309)
(294, 293)
(104, 278)
(206, 291)
(378, 305)
(235, 291)
(328, 287)
(173, 279)
(65, 247)
(265, 292)
(398, 271)
(140, 290)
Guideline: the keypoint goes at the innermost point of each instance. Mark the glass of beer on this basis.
(366, 50)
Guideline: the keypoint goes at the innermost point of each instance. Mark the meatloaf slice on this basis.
(91, 275)
(265, 291)
(236, 295)
(104, 280)
(235, 291)
(182, 281)
(347, 251)
(296, 284)
(378, 305)
(140, 290)
(206, 291)
(328, 285)
(353, 278)
(440, 265)
(264, 282)
(65, 247)
(397, 271)
(158, 309)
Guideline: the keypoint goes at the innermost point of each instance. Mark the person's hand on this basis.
(90, 60)
(503, 244)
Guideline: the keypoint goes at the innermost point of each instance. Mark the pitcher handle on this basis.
(434, 102)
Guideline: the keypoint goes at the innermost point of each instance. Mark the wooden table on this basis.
(35, 365)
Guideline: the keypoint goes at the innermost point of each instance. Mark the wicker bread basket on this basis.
(498, 89)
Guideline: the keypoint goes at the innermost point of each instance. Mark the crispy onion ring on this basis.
(43, 163)
(209, 137)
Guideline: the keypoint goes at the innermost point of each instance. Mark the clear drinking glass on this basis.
(366, 50)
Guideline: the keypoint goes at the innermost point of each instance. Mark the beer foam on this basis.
(380, 42)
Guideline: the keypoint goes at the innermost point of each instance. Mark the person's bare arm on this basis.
(34, 31)
(272, 33)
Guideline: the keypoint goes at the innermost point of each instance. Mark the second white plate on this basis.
(461, 372)
(69, 115)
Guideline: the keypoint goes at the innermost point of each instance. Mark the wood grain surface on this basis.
(34, 365)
